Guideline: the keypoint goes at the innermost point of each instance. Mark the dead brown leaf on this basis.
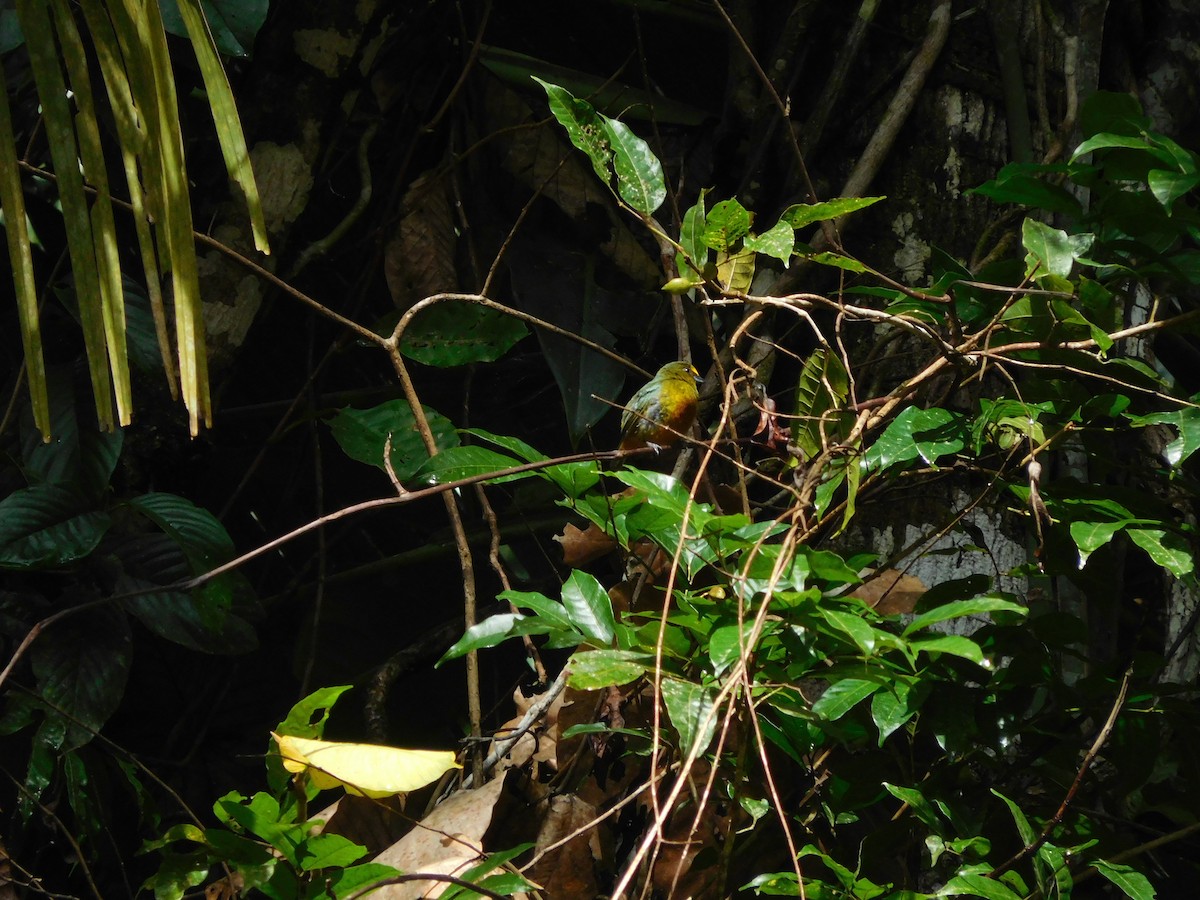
(447, 842)
(418, 261)
(582, 546)
(890, 592)
(571, 870)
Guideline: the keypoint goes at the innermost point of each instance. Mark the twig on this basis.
(1061, 812)
(535, 712)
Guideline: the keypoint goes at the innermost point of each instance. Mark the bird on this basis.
(662, 409)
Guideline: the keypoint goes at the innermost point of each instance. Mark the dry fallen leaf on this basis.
(890, 592)
(447, 842)
(582, 546)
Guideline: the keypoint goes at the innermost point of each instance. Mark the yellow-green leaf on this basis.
(368, 770)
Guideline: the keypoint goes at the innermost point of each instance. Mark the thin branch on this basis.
(1061, 812)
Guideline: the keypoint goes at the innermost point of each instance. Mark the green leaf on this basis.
(1168, 187)
(584, 126)
(959, 608)
(1050, 251)
(1109, 141)
(488, 633)
(954, 644)
(77, 455)
(727, 643)
(639, 173)
(692, 711)
(802, 214)
(779, 242)
(203, 620)
(837, 261)
(726, 224)
(234, 23)
(917, 803)
(1091, 536)
(977, 886)
(550, 611)
(349, 881)
(199, 533)
(691, 238)
(842, 696)
(1024, 829)
(224, 25)
(1127, 878)
(43, 527)
(735, 271)
(928, 434)
(456, 463)
(1166, 548)
(891, 708)
(589, 608)
(323, 851)
(82, 671)
(1025, 184)
(594, 669)
(1187, 422)
(452, 334)
(362, 434)
(851, 625)
(822, 390)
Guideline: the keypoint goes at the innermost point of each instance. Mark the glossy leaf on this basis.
(44, 526)
(594, 669)
(692, 712)
(589, 608)
(959, 608)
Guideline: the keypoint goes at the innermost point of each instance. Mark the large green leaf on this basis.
(363, 433)
(206, 619)
(594, 669)
(453, 334)
(820, 393)
(82, 667)
(692, 712)
(639, 173)
(44, 526)
(589, 608)
(1167, 548)
(927, 434)
(198, 532)
(76, 456)
(457, 463)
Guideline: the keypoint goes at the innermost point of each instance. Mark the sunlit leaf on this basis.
(368, 770)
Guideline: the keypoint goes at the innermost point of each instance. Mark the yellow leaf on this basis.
(369, 770)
